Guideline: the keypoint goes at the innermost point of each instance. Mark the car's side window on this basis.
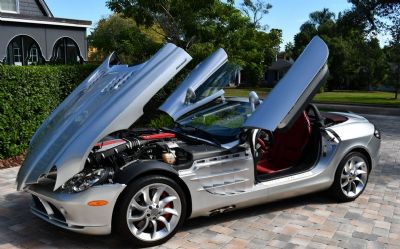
(223, 77)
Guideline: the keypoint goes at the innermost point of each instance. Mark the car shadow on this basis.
(20, 228)
(319, 198)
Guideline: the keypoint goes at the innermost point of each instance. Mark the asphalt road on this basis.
(312, 221)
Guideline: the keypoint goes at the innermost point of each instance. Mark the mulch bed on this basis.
(12, 162)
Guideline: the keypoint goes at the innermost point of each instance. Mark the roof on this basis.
(45, 8)
(280, 64)
(46, 20)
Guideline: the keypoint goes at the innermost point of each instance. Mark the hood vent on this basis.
(116, 83)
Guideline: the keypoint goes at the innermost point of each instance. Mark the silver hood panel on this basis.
(294, 91)
(110, 99)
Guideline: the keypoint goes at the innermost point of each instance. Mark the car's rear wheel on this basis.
(351, 177)
(150, 211)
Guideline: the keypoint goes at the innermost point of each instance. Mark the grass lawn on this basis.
(244, 92)
(339, 97)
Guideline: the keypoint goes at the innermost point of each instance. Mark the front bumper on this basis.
(71, 211)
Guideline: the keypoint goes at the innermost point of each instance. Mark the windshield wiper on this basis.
(204, 134)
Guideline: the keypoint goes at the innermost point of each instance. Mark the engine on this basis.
(123, 148)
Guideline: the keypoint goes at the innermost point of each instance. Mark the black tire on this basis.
(120, 224)
(336, 190)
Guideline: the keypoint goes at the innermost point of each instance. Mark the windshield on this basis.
(223, 121)
(226, 75)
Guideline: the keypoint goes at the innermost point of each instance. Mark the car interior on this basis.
(280, 153)
(290, 151)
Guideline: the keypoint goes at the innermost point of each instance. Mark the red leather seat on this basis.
(287, 147)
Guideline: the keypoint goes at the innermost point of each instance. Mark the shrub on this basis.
(163, 120)
(28, 95)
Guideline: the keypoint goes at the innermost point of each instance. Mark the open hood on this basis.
(201, 86)
(294, 91)
(110, 99)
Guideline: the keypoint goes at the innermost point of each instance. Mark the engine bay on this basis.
(123, 148)
(127, 146)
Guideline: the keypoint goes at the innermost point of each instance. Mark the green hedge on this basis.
(27, 96)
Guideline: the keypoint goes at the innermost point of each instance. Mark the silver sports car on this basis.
(89, 169)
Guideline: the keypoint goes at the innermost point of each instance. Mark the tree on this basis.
(203, 26)
(123, 36)
(319, 23)
(319, 18)
(355, 61)
(179, 20)
(289, 49)
(381, 16)
(393, 56)
(255, 11)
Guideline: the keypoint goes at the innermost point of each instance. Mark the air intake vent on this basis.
(117, 82)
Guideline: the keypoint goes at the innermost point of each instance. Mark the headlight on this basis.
(87, 179)
(377, 133)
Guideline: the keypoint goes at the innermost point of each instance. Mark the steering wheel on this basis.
(263, 139)
(317, 115)
(262, 142)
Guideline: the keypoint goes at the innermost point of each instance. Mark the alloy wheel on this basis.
(354, 176)
(154, 212)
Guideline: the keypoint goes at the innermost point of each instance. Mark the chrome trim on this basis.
(235, 171)
(224, 185)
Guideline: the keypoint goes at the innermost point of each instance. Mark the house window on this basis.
(66, 51)
(23, 50)
(9, 6)
(17, 54)
(33, 55)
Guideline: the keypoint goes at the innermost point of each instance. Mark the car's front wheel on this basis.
(351, 177)
(150, 211)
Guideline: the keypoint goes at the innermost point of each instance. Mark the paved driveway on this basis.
(313, 221)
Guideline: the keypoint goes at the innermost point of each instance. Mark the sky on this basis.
(287, 15)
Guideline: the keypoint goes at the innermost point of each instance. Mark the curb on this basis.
(362, 109)
(357, 104)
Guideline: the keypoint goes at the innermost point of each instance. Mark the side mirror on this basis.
(254, 100)
(190, 96)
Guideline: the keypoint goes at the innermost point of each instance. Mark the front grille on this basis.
(37, 204)
(48, 209)
(57, 214)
